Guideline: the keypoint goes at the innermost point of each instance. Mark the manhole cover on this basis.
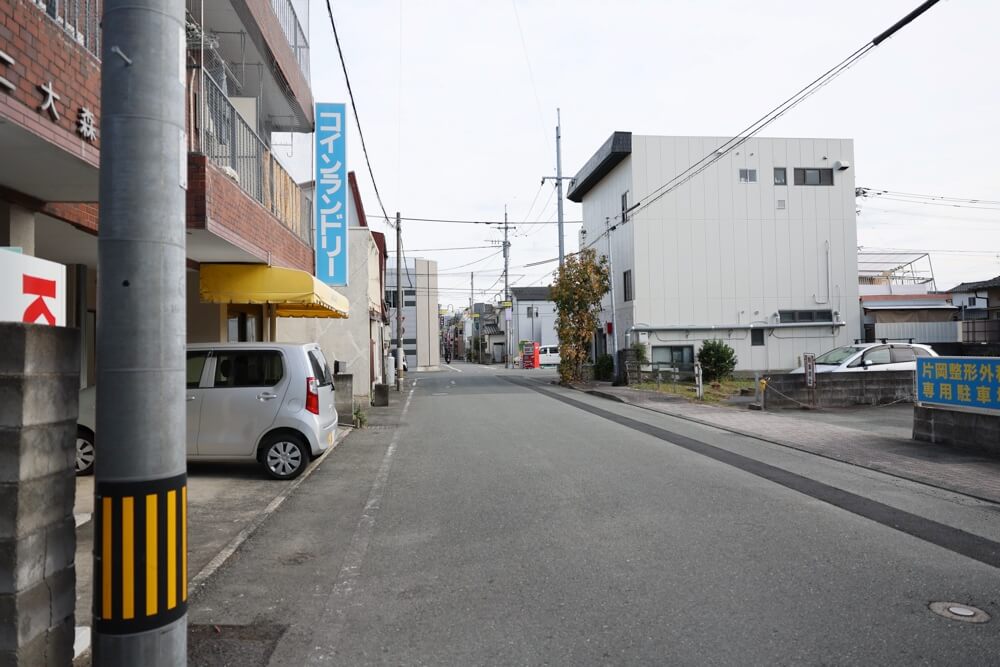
(958, 611)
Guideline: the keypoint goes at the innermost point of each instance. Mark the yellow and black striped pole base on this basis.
(140, 554)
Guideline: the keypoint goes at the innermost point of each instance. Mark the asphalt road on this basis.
(498, 519)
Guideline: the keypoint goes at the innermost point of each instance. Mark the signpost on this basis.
(966, 384)
(809, 366)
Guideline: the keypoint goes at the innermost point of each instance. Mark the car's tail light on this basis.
(312, 395)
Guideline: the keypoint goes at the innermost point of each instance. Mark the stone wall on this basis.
(965, 430)
(39, 390)
(839, 390)
(344, 397)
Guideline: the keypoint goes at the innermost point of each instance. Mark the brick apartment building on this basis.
(247, 77)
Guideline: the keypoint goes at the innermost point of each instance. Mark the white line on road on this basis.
(351, 567)
(452, 368)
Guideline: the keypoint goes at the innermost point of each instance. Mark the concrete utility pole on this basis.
(140, 491)
(399, 302)
(506, 288)
(559, 193)
(614, 319)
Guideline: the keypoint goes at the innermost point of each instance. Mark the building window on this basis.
(780, 177)
(676, 356)
(748, 175)
(625, 206)
(787, 316)
(813, 176)
(757, 337)
(409, 292)
(407, 304)
(390, 298)
(627, 280)
(781, 204)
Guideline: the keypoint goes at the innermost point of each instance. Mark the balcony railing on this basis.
(81, 19)
(229, 142)
(294, 33)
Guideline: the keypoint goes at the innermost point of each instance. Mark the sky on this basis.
(457, 101)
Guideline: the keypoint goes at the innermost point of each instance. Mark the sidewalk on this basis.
(967, 473)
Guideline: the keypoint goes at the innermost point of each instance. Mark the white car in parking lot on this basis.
(871, 357)
(267, 402)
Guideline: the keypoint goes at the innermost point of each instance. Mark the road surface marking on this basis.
(334, 616)
(953, 539)
(452, 368)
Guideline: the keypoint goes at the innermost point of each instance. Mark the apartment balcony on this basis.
(242, 204)
(263, 49)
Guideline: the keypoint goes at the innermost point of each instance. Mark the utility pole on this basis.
(472, 312)
(559, 193)
(506, 288)
(140, 491)
(399, 302)
(614, 319)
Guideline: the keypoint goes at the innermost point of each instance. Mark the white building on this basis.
(421, 333)
(361, 341)
(534, 316)
(758, 250)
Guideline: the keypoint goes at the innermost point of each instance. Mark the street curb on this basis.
(785, 443)
(198, 581)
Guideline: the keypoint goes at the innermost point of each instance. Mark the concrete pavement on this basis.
(518, 522)
(875, 437)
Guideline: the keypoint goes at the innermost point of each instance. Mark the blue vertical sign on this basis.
(331, 194)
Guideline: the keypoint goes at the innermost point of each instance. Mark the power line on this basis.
(756, 127)
(357, 118)
(484, 222)
(865, 192)
(531, 74)
(468, 247)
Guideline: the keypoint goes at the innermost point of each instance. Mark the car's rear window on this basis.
(320, 368)
(902, 354)
(248, 368)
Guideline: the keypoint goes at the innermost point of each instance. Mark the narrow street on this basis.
(492, 517)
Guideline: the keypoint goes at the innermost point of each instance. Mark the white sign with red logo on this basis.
(32, 290)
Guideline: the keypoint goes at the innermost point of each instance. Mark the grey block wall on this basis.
(344, 398)
(39, 385)
(840, 390)
(963, 430)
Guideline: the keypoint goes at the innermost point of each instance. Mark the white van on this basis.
(548, 355)
(267, 402)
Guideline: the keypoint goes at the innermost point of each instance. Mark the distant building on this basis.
(759, 249)
(534, 316)
(421, 332)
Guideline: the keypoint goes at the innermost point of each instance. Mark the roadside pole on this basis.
(140, 492)
(614, 319)
(558, 178)
(506, 288)
(399, 302)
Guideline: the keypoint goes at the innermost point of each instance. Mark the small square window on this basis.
(781, 204)
(756, 337)
(780, 176)
(748, 175)
(812, 176)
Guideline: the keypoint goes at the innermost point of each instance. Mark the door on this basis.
(247, 389)
(197, 379)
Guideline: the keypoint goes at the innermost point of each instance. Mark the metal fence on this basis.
(81, 19)
(228, 141)
(294, 33)
(919, 332)
(981, 331)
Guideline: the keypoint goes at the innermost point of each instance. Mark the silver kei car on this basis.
(266, 402)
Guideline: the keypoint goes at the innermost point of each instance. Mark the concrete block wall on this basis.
(39, 385)
(840, 390)
(344, 398)
(963, 430)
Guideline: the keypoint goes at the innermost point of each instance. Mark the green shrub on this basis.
(640, 353)
(718, 360)
(360, 418)
(604, 369)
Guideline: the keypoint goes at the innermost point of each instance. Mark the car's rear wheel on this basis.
(284, 455)
(86, 452)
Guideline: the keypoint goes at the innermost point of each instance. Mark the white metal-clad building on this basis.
(759, 249)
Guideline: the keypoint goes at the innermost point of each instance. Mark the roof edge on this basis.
(608, 156)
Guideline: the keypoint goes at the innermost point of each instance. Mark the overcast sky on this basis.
(458, 101)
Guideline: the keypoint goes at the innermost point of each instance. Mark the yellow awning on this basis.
(294, 293)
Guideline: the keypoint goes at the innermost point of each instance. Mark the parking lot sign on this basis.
(809, 363)
(970, 384)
